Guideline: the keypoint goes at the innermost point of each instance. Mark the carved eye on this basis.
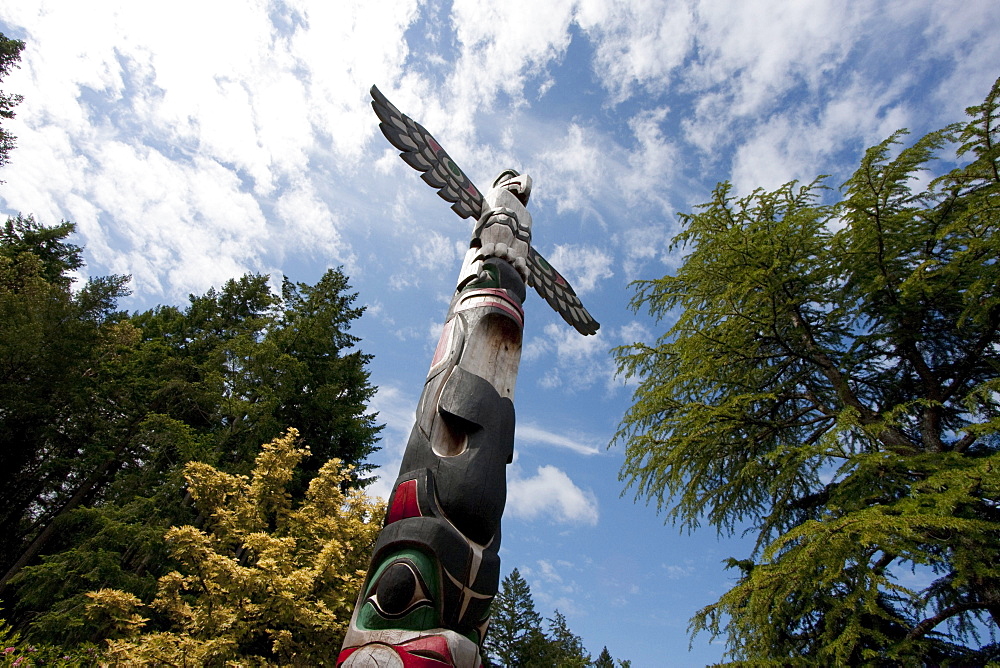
(399, 590)
(504, 176)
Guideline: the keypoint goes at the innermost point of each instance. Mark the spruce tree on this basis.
(514, 623)
(565, 648)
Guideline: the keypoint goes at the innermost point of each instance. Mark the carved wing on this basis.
(558, 293)
(420, 151)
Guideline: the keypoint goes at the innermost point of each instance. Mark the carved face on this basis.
(504, 228)
(519, 184)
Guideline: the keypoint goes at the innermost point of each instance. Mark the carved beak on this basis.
(518, 184)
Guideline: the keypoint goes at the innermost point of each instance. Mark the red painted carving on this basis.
(429, 651)
(426, 652)
(404, 503)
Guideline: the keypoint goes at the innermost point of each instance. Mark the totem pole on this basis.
(435, 567)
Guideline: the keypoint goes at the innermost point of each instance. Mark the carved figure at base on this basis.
(435, 567)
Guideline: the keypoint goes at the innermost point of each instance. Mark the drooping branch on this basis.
(928, 624)
(890, 436)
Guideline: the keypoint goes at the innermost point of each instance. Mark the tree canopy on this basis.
(10, 56)
(517, 637)
(101, 410)
(830, 379)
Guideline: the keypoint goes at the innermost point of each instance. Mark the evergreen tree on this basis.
(100, 411)
(604, 659)
(563, 647)
(514, 623)
(832, 377)
(60, 408)
(10, 55)
(516, 637)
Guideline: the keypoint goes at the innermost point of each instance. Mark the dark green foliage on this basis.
(516, 636)
(564, 648)
(513, 622)
(831, 378)
(99, 412)
(18, 652)
(242, 364)
(58, 387)
(10, 55)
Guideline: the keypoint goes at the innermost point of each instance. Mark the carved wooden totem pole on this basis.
(435, 567)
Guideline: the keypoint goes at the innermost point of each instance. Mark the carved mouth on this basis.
(521, 196)
(492, 298)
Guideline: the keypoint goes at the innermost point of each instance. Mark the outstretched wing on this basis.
(558, 293)
(420, 151)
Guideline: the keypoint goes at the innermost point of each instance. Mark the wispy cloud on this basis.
(584, 266)
(580, 361)
(185, 167)
(396, 411)
(532, 433)
(677, 572)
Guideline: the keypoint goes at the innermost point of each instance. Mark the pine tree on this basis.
(564, 648)
(514, 623)
(60, 412)
(516, 635)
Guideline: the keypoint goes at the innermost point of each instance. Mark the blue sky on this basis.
(194, 141)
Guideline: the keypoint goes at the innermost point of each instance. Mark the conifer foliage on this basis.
(10, 56)
(101, 410)
(515, 625)
(831, 378)
(517, 637)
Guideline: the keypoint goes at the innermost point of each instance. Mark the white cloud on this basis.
(583, 266)
(637, 41)
(571, 347)
(798, 144)
(309, 221)
(532, 433)
(676, 572)
(965, 35)
(635, 332)
(547, 572)
(575, 170)
(580, 360)
(550, 493)
(435, 252)
(186, 224)
(502, 44)
(640, 245)
(653, 164)
(396, 410)
(534, 348)
(551, 588)
(403, 280)
(167, 140)
(763, 49)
